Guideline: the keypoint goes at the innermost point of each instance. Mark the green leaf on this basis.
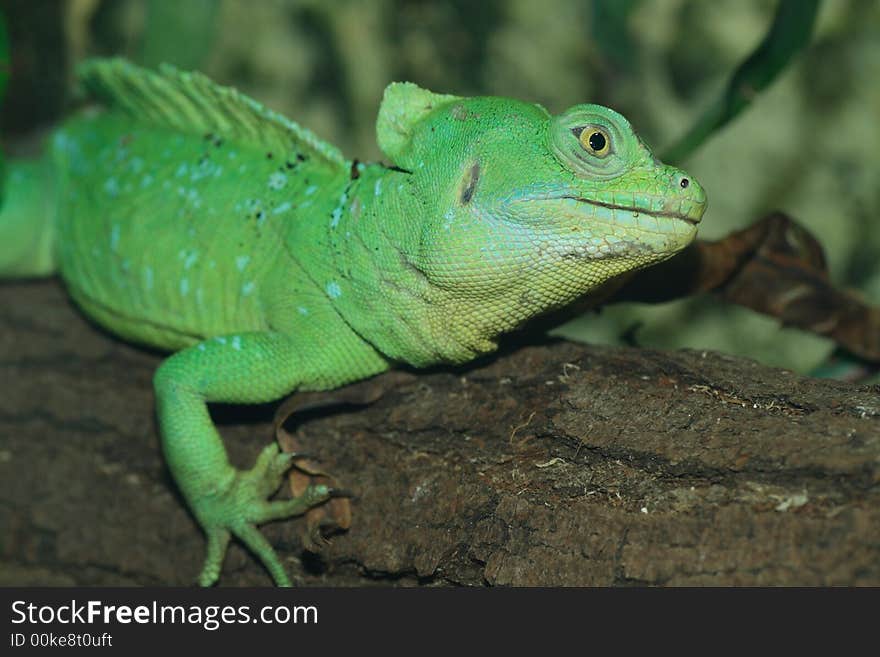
(788, 34)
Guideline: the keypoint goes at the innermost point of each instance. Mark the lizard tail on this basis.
(26, 204)
(27, 226)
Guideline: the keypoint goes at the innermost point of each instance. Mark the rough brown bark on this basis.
(555, 464)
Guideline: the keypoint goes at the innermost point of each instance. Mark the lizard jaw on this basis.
(693, 217)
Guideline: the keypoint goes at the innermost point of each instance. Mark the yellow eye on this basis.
(595, 141)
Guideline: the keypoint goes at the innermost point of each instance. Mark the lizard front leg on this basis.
(245, 368)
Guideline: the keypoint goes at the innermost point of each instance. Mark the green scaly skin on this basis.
(189, 218)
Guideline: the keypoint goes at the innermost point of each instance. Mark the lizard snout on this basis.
(690, 194)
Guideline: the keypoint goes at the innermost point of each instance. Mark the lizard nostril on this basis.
(684, 183)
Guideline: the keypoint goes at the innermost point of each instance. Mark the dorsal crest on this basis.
(191, 103)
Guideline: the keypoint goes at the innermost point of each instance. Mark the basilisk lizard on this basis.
(185, 216)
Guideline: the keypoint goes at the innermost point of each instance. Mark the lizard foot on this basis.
(242, 505)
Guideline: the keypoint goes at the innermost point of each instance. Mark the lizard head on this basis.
(527, 208)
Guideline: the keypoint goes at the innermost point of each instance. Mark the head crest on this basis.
(404, 104)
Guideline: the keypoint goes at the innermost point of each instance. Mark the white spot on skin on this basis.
(284, 207)
(277, 181)
(201, 346)
(111, 187)
(333, 290)
(184, 286)
(236, 343)
(302, 310)
(190, 260)
(449, 216)
(253, 204)
(337, 212)
(220, 339)
(241, 262)
(182, 170)
(114, 236)
(146, 181)
(63, 142)
(377, 188)
(204, 169)
(247, 288)
(311, 190)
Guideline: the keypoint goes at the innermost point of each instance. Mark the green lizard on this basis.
(186, 216)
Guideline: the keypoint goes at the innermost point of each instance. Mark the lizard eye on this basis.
(594, 140)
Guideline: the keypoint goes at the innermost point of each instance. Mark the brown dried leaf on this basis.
(334, 515)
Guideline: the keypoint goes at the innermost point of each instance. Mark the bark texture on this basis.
(558, 464)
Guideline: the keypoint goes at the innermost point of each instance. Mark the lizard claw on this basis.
(242, 505)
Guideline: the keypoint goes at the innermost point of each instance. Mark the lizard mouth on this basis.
(693, 217)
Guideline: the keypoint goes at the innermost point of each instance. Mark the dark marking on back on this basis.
(468, 192)
(355, 173)
(215, 140)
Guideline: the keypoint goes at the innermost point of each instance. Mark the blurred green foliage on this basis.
(790, 31)
(808, 144)
(4, 78)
